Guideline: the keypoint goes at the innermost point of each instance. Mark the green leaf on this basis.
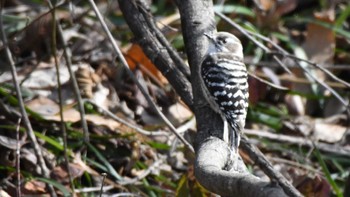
(109, 167)
(234, 9)
(49, 140)
(326, 172)
(343, 16)
(56, 184)
(150, 189)
(266, 119)
(336, 29)
(13, 101)
(164, 179)
(182, 189)
(159, 146)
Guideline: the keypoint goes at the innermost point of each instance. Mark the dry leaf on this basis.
(316, 186)
(270, 11)
(60, 173)
(320, 41)
(179, 113)
(327, 132)
(43, 106)
(135, 56)
(69, 115)
(4, 194)
(101, 121)
(34, 187)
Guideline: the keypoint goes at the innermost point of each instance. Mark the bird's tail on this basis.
(234, 136)
(234, 140)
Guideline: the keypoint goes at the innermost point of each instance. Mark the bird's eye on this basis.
(222, 40)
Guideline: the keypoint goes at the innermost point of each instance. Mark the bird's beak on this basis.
(210, 36)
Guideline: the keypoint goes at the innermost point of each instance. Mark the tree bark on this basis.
(155, 51)
(212, 154)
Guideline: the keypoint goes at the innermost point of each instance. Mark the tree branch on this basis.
(156, 52)
(197, 18)
(212, 177)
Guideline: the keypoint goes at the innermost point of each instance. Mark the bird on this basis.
(224, 80)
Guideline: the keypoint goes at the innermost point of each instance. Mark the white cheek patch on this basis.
(212, 48)
(232, 40)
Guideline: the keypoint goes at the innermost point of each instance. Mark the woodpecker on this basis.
(224, 80)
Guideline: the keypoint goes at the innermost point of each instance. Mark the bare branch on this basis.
(212, 177)
(44, 170)
(125, 64)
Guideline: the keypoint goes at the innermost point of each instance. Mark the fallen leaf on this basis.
(327, 132)
(316, 186)
(60, 173)
(102, 121)
(135, 56)
(320, 41)
(69, 115)
(34, 187)
(269, 12)
(4, 194)
(179, 113)
(43, 106)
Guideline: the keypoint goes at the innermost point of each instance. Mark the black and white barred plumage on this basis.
(224, 80)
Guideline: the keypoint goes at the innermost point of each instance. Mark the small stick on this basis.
(103, 181)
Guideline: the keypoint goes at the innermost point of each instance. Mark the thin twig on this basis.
(37, 150)
(300, 141)
(260, 160)
(18, 156)
(94, 189)
(67, 55)
(335, 78)
(267, 82)
(111, 115)
(125, 64)
(125, 194)
(300, 80)
(248, 35)
(143, 174)
(295, 164)
(104, 175)
(306, 71)
(60, 97)
(144, 9)
(275, 65)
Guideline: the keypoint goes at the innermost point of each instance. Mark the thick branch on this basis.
(211, 176)
(197, 18)
(155, 50)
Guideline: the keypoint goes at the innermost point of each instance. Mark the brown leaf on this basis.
(34, 187)
(316, 186)
(257, 90)
(43, 106)
(102, 121)
(60, 173)
(320, 41)
(135, 56)
(69, 115)
(270, 11)
(37, 36)
(327, 132)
